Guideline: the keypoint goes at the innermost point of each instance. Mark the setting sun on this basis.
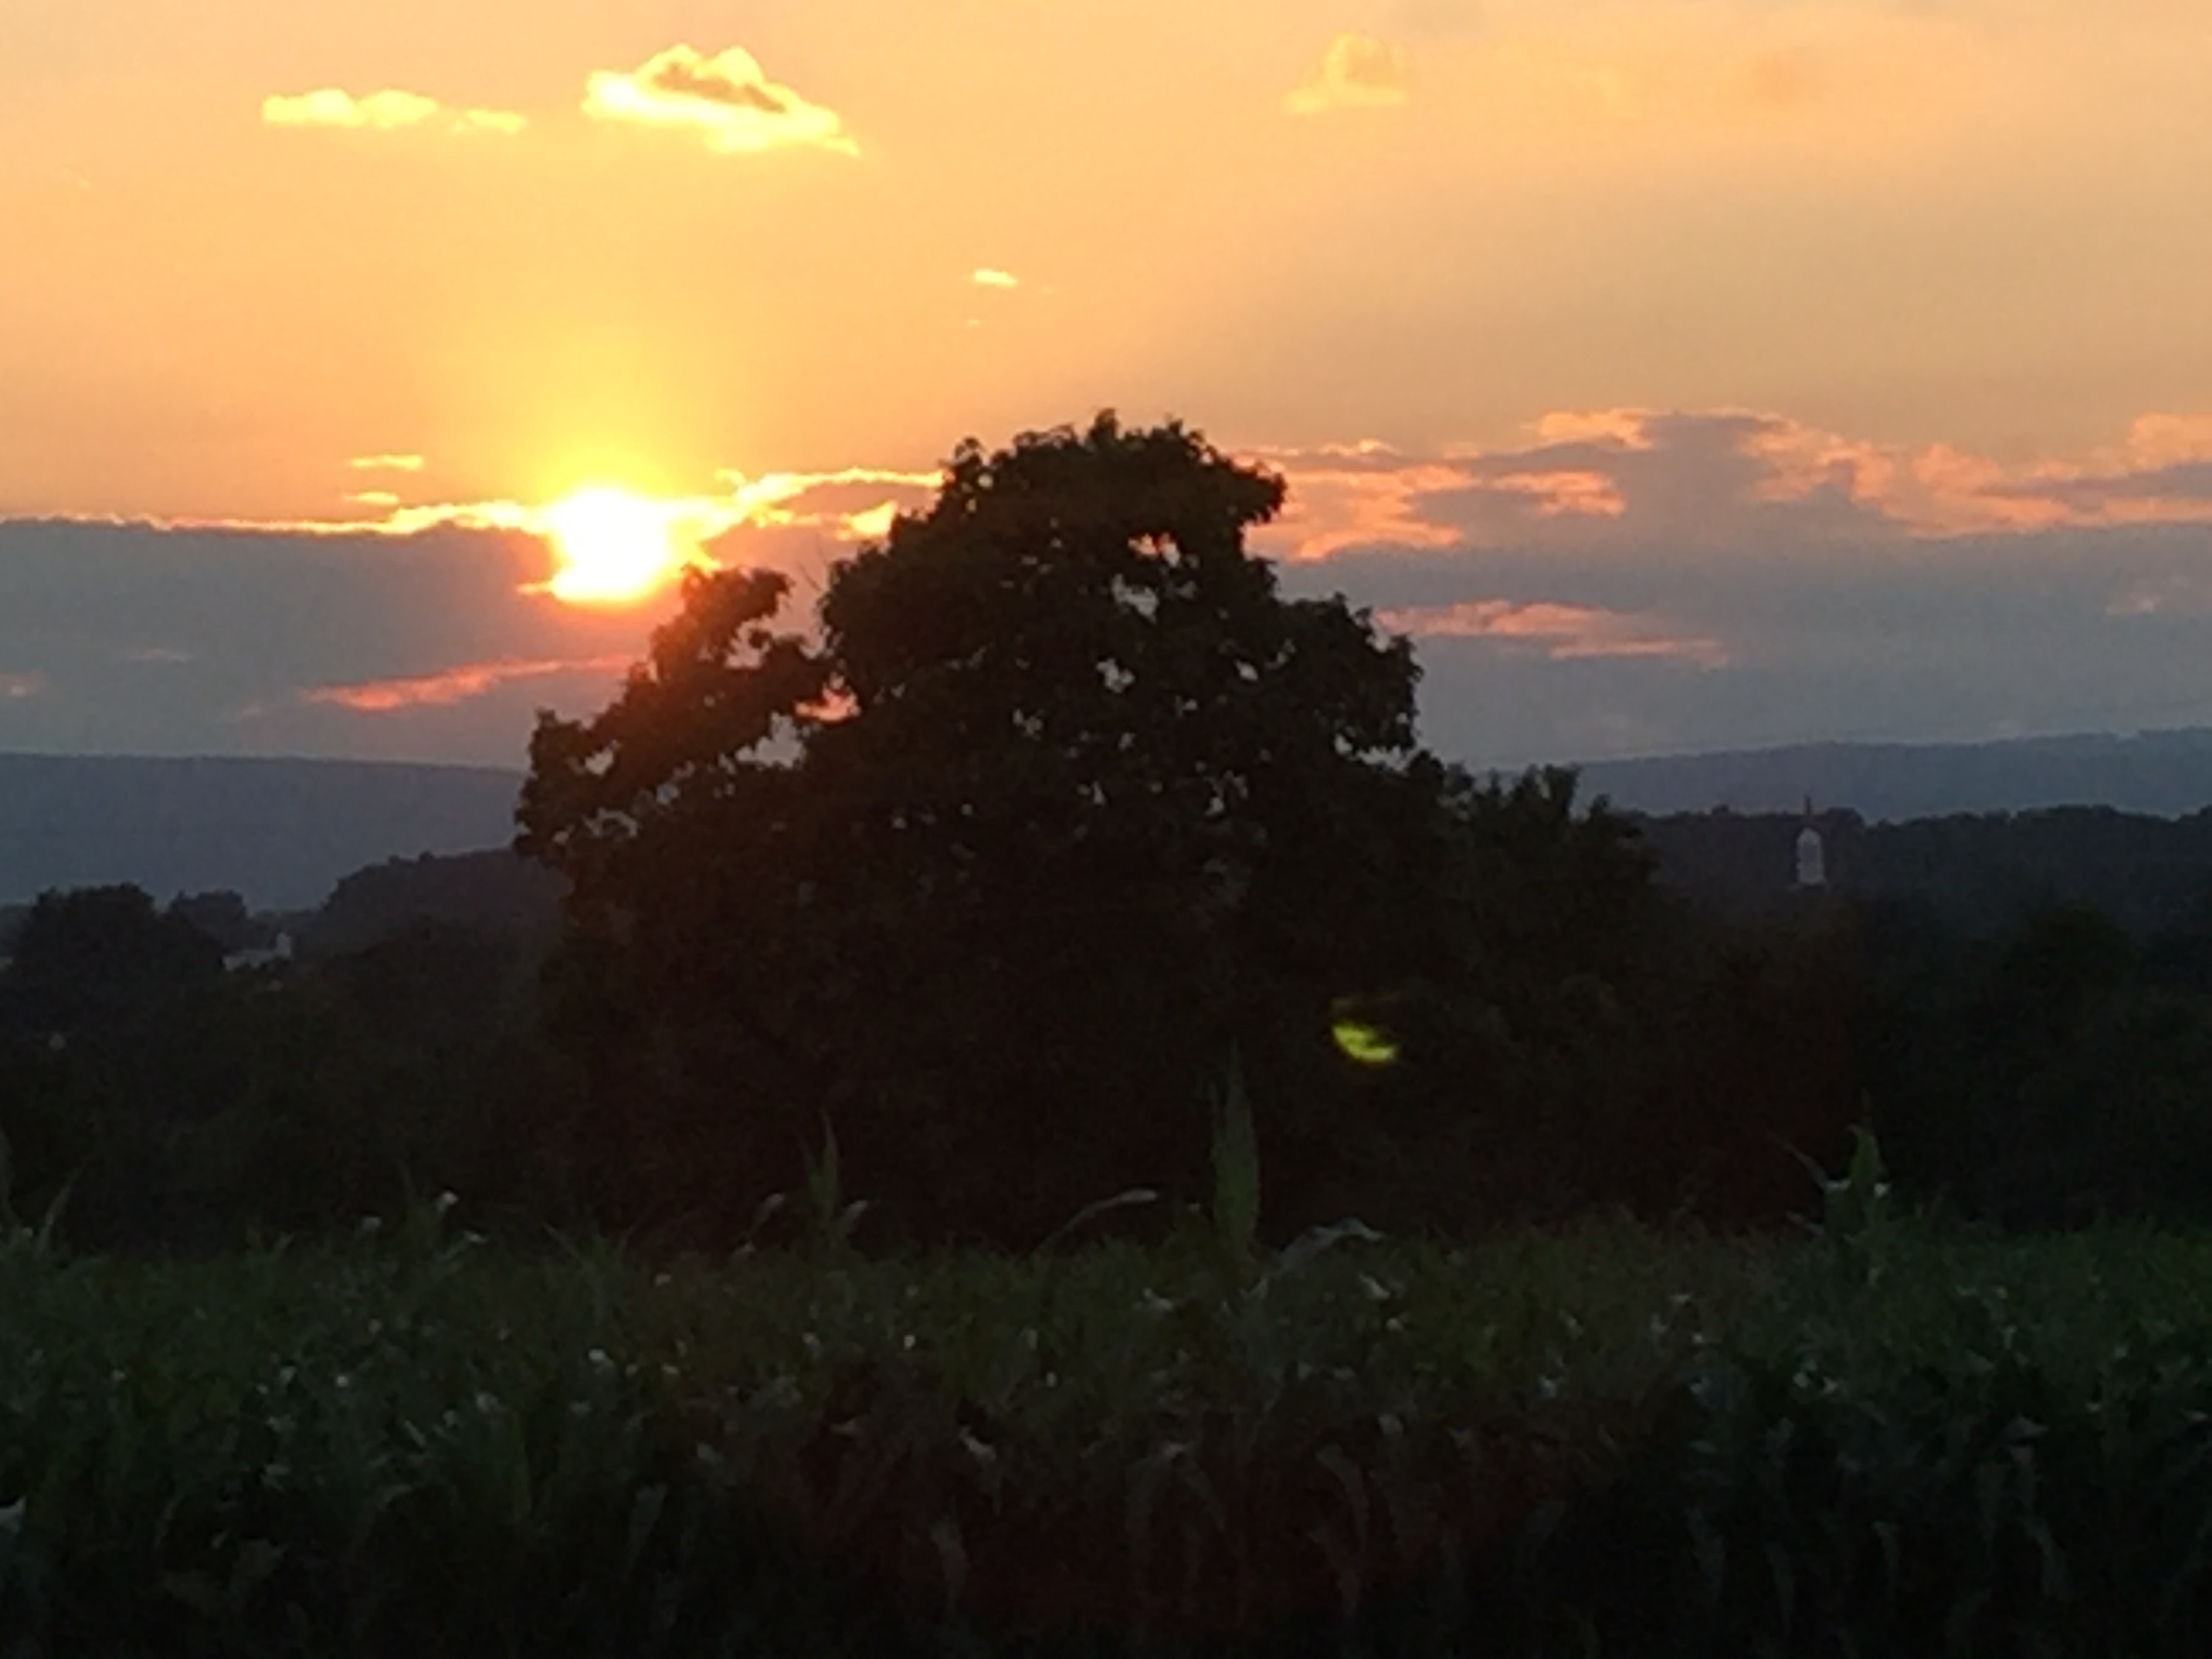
(612, 547)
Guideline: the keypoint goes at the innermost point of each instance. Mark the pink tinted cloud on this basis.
(1362, 494)
(451, 685)
(1563, 632)
(1629, 477)
(2178, 493)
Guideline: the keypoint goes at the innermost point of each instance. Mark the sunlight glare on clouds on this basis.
(610, 546)
(726, 99)
(1358, 72)
(991, 276)
(873, 524)
(613, 547)
(771, 497)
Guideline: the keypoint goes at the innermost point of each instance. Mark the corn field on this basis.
(1875, 1438)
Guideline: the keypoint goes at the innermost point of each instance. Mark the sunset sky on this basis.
(1681, 373)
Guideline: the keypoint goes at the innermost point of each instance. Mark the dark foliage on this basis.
(1975, 873)
(494, 893)
(224, 917)
(1066, 804)
(158, 1102)
(102, 953)
(2051, 1075)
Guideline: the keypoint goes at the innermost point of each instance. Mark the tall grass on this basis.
(418, 1441)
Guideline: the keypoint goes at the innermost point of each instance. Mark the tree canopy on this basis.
(1061, 801)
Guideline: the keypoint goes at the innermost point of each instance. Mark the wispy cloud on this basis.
(793, 497)
(991, 276)
(798, 521)
(20, 688)
(786, 519)
(386, 463)
(1562, 632)
(726, 101)
(1357, 71)
(386, 111)
(451, 685)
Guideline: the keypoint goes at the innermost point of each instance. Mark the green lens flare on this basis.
(1365, 1044)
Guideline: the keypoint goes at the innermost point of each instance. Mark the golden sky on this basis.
(268, 262)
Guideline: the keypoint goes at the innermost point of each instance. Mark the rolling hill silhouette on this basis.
(2164, 774)
(282, 832)
(285, 832)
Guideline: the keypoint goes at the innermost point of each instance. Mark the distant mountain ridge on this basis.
(285, 832)
(2166, 774)
(282, 832)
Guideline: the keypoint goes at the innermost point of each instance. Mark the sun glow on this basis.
(613, 547)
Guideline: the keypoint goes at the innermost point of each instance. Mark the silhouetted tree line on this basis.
(1057, 812)
(2055, 1073)
(152, 1099)
(1977, 872)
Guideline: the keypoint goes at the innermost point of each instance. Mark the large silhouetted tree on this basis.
(1065, 801)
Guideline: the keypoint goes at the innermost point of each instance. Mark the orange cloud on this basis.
(450, 685)
(386, 463)
(726, 100)
(1360, 494)
(1357, 72)
(2161, 439)
(386, 111)
(1565, 491)
(1624, 427)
